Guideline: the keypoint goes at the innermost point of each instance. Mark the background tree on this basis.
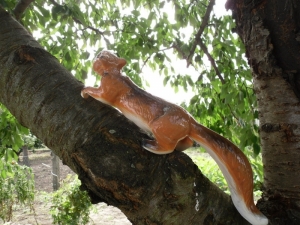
(102, 147)
(270, 32)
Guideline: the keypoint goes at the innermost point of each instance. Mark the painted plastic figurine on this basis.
(174, 128)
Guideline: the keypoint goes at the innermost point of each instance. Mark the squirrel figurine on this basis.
(174, 128)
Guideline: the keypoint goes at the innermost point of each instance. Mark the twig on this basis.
(210, 58)
(92, 28)
(233, 114)
(248, 96)
(76, 20)
(145, 62)
(204, 23)
(54, 3)
(20, 8)
(178, 49)
(198, 41)
(89, 27)
(161, 50)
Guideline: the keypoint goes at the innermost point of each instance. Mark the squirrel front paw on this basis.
(84, 94)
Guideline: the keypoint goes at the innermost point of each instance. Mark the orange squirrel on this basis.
(174, 128)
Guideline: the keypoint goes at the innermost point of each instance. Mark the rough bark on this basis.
(99, 144)
(270, 32)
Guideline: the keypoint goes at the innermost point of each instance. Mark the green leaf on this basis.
(198, 58)
(68, 57)
(10, 155)
(85, 55)
(256, 148)
(166, 79)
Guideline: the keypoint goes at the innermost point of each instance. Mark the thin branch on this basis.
(248, 96)
(184, 56)
(54, 3)
(178, 49)
(88, 27)
(76, 20)
(233, 114)
(211, 59)
(204, 23)
(145, 62)
(20, 8)
(198, 41)
(161, 50)
(92, 28)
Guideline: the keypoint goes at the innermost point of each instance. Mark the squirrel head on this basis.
(106, 63)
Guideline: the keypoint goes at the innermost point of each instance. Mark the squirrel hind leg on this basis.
(154, 147)
(184, 144)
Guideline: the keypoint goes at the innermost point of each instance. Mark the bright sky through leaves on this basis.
(153, 81)
(156, 86)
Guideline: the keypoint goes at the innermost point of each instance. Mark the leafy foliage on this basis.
(16, 188)
(32, 142)
(70, 205)
(16, 182)
(10, 132)
(210, 169)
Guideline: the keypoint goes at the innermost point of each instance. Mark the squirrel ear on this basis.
(121, 63)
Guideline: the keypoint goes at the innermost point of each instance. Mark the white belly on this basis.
(138, 121)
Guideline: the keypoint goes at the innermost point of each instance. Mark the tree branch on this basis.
(211, 59)
(146, 60)
(204, 23)
(20, 8)
(76, 20)
(101, 145)
(178, 49)
(198, 41)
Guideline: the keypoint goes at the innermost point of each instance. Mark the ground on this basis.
(40, 162)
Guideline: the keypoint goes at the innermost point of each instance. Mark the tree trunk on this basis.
(270, 32)
(55, 171)
(25, 156)
(101, 145)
